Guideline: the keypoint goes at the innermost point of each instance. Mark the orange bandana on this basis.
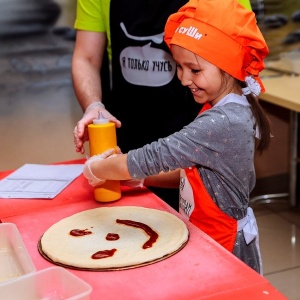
(222, 32)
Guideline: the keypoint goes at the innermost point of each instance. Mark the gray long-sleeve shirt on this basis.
(220, 142)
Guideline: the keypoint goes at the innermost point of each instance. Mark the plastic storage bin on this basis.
(54, 283)
(15, 260)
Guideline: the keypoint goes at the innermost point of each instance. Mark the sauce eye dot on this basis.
(112, 236)
(80, 232)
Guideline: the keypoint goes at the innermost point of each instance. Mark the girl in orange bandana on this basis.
(219, 52)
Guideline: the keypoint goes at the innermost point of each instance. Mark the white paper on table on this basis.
(39, 181)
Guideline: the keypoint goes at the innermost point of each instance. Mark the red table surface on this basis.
(201, 270)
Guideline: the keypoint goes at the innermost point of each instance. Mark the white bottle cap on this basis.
(101, 119)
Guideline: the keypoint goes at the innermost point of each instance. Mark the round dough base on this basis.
(59, 247)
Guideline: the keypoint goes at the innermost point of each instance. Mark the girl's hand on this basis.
(87, 172)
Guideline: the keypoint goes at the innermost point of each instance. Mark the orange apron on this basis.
(206, 215)
(197, 205)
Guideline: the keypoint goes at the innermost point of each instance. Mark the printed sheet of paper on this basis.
(39, 181)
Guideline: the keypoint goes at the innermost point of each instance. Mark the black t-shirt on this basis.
(147, 97)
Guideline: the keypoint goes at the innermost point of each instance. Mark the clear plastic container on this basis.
(54, 283)
(15, 260)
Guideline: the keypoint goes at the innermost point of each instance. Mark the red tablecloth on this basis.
(201, 270)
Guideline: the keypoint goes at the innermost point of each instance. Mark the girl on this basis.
(212, 158)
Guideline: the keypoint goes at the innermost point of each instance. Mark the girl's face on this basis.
(205, 80)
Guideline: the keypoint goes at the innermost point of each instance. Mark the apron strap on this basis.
(249, 226)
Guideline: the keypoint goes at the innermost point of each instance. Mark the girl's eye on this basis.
(194, 71)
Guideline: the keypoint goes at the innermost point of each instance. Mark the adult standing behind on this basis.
(146, 94)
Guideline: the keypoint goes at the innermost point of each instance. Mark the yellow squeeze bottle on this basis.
(102, 136)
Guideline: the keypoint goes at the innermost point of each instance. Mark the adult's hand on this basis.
(80, 133)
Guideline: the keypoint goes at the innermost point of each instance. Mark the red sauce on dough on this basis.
(104, 254)
(112, 236)
(153, 235)
(80, 232)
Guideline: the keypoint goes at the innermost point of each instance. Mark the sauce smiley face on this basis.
(113, 238)
(153, 236)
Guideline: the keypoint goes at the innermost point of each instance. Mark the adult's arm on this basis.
(86, 65)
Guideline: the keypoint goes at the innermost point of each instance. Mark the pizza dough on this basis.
(97, 232)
